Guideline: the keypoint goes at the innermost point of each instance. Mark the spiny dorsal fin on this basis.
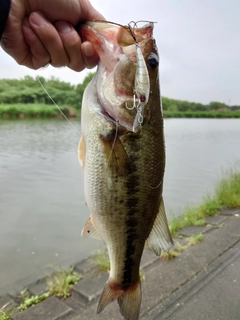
(160, 237)
(90, 230)
(115, 153)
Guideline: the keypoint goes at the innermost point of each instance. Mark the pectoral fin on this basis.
(82, 151)
(90, 230)
(160, 237)
(115, 153)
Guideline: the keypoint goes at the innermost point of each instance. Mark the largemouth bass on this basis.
(123, 156)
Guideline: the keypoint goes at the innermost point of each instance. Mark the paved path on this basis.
(203, 282)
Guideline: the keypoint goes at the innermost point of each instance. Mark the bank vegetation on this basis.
(26, 98)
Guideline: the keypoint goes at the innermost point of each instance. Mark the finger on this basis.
(50, 39)
(14, 44)
(89, 54)
(38, 56)
(72, 44)
(89, 12)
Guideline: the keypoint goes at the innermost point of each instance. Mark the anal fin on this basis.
(160, 237)
(90, 230)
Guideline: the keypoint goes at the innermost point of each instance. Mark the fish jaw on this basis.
(117, 69)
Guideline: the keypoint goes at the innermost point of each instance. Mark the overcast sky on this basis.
(198, 42)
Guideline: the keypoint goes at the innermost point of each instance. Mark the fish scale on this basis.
(123, 163)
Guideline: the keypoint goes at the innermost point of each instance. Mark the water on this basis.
(42, 208)
(199, 151)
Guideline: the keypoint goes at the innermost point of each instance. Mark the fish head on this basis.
(127, 71)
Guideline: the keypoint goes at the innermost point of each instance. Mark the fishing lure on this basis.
(141, 85)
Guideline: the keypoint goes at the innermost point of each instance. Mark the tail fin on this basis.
(129, 299)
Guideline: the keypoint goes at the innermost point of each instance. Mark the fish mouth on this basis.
(116, 74)
(107, 115)
(117, 119)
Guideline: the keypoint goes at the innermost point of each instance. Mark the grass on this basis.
(34, 110)
(29, 301)
(6, 314)
(172, 253)
(102, 260)
(195, 239)
(226, 195)
(59, 285)
(61, 282)
(191, 241)
(228, 190)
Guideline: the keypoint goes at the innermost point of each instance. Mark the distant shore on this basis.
(201, 114)
(36, 110)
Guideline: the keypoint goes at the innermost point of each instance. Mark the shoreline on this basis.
(44, 111)
(36, 111)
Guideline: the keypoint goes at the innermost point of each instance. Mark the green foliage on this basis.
(7, 313)
(61, 282)
(228, 190)
(102, 260)
(29, 301)
(4, 315)
(33, 110)
(227, 195)
(185, 109)
(171, 254)
(195, 239)
(28, 91)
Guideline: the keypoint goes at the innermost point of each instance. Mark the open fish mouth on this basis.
(123, 84)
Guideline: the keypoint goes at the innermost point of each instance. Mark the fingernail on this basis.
(37, 19)
(63, 27)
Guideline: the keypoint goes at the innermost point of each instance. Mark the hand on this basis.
(41, 32)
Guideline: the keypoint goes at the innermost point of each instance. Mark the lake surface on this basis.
(42, 207)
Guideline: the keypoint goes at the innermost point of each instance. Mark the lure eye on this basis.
(153, 60)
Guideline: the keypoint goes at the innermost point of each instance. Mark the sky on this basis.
(198, 43)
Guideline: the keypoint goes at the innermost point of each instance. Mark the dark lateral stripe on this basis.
(129, 262)
(132, 187)
(131, 232)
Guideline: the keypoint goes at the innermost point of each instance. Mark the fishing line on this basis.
(114, 141)
(183, 248)
(45, 90)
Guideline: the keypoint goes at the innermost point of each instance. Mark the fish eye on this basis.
(153, 60)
